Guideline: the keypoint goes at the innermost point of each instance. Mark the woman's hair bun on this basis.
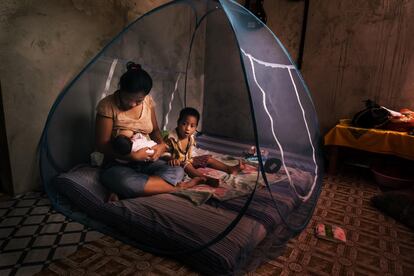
(133, 66)
(135, 79)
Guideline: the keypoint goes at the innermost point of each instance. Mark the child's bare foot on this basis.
(236, 169)
(194, 181)
(113, 197)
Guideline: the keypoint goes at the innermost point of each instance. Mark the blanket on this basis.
(232, 186)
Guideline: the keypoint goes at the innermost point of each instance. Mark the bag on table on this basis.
(373, 116)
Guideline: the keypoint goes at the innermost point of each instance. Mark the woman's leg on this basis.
(160, 170)
(127, 182)
(124, 181)
(157, 185)
(142, 180)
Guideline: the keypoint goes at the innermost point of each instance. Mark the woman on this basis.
(139, 173)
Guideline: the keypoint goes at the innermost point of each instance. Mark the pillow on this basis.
(81, 185)
(397, 204)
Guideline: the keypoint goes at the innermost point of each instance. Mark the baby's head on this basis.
(122, 144)
(187, 122)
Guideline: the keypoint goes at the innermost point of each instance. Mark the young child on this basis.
(181, 142)
(126, 142)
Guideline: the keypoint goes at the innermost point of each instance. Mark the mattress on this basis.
(171, 223)
(167, 223)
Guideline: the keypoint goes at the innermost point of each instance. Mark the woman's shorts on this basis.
(129, 180)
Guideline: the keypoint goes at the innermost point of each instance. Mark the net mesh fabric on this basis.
(205, 54)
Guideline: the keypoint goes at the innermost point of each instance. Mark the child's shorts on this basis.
(200, 161)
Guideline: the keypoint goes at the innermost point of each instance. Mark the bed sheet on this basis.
(234, 186)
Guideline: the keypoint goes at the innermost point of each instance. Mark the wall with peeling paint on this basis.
(358, 50)
(42, 47)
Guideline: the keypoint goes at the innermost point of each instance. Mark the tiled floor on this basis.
(32, 234)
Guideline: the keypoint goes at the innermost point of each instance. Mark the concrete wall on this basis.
(226, 103)
(353, 51)
(227, 110)
(358, 50)
(285, 19)
(43, 45)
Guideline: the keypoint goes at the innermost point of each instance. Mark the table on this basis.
(372, 140)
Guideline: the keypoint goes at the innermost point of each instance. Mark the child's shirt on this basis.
(183, 155)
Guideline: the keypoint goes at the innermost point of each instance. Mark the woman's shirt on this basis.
(109, 107)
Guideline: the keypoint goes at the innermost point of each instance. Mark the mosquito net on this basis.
(219, 58)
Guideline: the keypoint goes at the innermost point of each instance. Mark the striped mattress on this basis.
(168, 223)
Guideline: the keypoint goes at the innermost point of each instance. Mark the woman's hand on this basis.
(174, 162)
(142, 155)
(158, 150)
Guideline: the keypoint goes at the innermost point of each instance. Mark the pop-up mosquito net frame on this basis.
(219, 58)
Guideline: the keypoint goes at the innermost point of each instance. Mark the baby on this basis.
(126, 142)
(181, 142)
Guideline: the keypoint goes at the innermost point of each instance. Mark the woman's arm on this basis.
(103, 132)
(157, 137)
(156, 133)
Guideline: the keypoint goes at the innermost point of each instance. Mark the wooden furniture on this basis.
(344, 136)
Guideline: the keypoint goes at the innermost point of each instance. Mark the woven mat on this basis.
(377, 245)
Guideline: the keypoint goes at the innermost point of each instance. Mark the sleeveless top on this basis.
(109, 107)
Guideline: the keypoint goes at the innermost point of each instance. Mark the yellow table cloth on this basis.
(373, 140)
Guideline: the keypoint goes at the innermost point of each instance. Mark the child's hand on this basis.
(174, 162)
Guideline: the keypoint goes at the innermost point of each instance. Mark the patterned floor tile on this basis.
(29, 270)
(45, 240)
(32, 235)
(9, 259)
(37, 255)
(16, 243)
(63, 251)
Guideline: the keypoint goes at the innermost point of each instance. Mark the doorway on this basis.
(6, 185)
